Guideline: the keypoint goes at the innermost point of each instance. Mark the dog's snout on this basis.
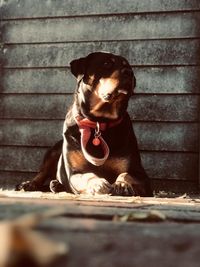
(127, 72)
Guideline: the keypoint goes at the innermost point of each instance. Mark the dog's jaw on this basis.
(108, 110)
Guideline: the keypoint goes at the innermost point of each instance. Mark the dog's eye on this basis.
(108, 64)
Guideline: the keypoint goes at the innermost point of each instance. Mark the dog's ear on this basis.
(78, 66)
(133, 85)
(134, 82)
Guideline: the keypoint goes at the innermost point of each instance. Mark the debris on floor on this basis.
(21, 245)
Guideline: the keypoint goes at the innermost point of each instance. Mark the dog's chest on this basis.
(112, 166)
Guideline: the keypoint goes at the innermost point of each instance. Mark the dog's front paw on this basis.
(98, 186)
(56, 187)
(27, 186)
(122, 189)
(123, 186)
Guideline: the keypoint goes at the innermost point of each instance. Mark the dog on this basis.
(99, 152)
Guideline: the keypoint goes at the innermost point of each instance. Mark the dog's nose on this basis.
(107, 97)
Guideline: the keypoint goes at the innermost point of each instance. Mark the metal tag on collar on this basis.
(96, 141)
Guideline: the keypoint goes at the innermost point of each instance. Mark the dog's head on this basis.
(105, 83)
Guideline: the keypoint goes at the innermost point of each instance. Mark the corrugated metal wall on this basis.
(160, 38)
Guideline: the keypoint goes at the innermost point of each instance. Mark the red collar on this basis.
(84, 122)
(85, 125)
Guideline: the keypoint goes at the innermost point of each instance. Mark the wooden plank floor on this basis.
(115, 231)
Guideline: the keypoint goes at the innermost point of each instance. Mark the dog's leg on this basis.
(89, 183)
(47, 170)
(59, 185)
(126, 185)
(33, 185)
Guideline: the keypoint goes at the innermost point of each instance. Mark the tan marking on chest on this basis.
(117, 165)
(77, 160)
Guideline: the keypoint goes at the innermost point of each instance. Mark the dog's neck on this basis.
(85, 126)
(82, 120)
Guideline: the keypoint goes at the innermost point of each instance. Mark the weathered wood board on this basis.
(138, 52)
(157, 136)
(95, 28)
(97, 237)
(59, 8)
(169, 165)
(175, 108)
(150, 80)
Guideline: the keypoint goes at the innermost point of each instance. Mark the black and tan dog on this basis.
(99, 152)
